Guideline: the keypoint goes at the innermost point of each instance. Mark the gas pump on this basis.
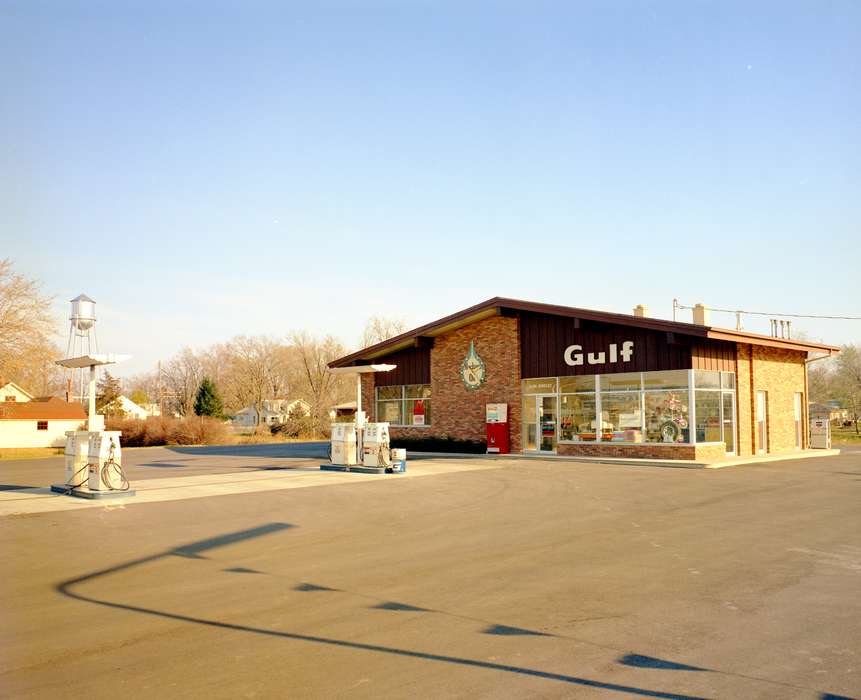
(104, 462)
(372, 449)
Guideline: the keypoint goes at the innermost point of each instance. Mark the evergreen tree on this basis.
(208, 401)
(108, 391)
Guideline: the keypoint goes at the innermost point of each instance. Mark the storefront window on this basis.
(390, 412)
(571, 385)
(659, 412)
(627, 381)
(577, 417)
(667, 416)
(621, 417)
(707, 411)
(407, 405)
(704, 379)
(671, 379)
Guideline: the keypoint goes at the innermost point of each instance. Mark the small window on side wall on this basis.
(41, 425)
(9, 398)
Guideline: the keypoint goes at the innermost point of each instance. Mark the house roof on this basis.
(501, 306)
(3, 385)
(49, 409)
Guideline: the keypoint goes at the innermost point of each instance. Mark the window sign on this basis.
(545, 385)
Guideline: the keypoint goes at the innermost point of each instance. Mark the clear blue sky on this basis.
(204, 169)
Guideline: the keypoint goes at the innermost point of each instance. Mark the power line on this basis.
(764, 313)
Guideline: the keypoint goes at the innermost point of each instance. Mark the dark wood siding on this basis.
(544, 338)
(413, 367)
(713, 355)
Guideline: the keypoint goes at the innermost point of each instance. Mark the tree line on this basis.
(243, 372)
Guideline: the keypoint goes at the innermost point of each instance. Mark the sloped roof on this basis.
(499, 305)
(49, 409)
(17, 387)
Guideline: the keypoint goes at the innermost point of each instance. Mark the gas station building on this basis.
(590, 383)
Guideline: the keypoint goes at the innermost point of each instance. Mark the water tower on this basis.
(82, 337)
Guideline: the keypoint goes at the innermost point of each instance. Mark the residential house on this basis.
(38, 422)
(275, 412)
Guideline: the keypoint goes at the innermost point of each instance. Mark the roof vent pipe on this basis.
(641, 311)
(701, 315)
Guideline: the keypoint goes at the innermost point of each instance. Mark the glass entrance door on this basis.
(547, 423)
(728, 409)
(539, 423)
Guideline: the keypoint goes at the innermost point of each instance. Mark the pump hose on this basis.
(381, 460)
(74, 478)
(106, 475)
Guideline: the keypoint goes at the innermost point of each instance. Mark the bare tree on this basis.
(27, 351)
(181, 376)
(378, 329)
(319, 387)
(847, 380)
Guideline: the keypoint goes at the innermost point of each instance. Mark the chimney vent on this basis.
(641, 311)
(701, 315)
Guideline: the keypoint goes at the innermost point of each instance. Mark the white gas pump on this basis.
(344, 444)
(104, 462)
(76, 453)
(375, 446)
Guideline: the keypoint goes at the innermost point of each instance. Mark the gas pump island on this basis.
(361, 446)
(93, 457)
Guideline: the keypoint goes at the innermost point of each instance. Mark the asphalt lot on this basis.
(160, 462)
(533, 579)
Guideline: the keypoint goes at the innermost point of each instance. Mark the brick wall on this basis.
(780, 373)
(457, 411)
(744, 400)
(641, 450)
(710, 453)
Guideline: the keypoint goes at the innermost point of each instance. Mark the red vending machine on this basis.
(497, 428)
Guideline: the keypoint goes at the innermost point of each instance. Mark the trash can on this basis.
(399, 460)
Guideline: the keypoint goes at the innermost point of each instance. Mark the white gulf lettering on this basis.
(572, 357)
(627, 350)
(574, 354)
(596, 358)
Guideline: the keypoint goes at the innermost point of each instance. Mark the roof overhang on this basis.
(501, 306)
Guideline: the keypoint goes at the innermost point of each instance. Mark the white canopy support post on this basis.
(91, 414)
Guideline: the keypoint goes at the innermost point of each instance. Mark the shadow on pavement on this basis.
(194, 549)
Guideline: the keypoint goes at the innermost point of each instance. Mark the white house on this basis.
(10, 391)
(275, 411)
(128, 407)
(39, 422)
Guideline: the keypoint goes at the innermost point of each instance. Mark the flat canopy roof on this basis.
(91, 360)
(503, 306)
